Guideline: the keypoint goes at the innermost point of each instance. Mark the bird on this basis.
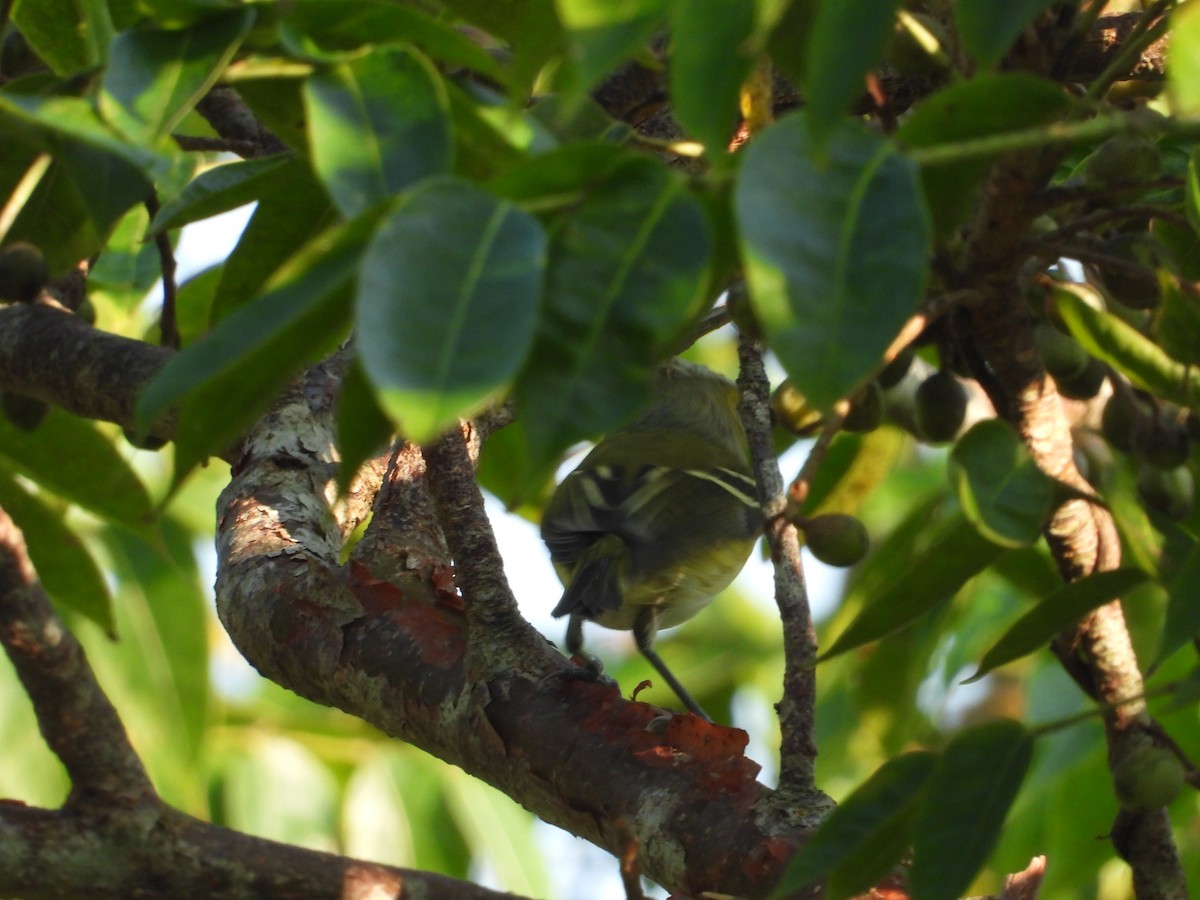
(659, 517)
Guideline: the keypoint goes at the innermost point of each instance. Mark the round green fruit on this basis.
(1148, 778)
(1171, 492)
(23, 273)
(866, 409)
(1123, 418)
(792, 411)
(891, 374)
(836, 539)
(941, 407)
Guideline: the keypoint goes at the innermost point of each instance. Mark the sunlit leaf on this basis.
(70, 35)
(378, 123)
(447, 303)
(963, 809)
(835, 253)
(156, 75)
(223, 188)
(1061, 609)
(1183, 60)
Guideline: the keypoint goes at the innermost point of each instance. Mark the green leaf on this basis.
(966, 800)
(362, 426)
(835, 254)
(1002, 491)
(626, 271)
(331, 26)
(955, 554)
(1183, 608)
(69, 35)
(226, 380)
(1177, 323)
(1121, 345)
(156, 75)
(64, 566)
(447, 303)
(377, 124)
(604, 34)
(71, 457)
(988, 29)
(292, 210)
(985, 105)
(866, 835)
(1060, 610)
(1183, 61)
(530, 27)
(848, 37)
(709, 61)
(226, 187)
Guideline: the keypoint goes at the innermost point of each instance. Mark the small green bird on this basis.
(659, 518)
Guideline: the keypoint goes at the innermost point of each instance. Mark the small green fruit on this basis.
(1084, 384)
(1062, 354)
(1171, 492)
(23, 273)
(1124, 417)
(1148, 778)
(941, 407)
(836, 539)
(891, 374)
(866, 409)
(25, 412)
(1165, 444)
(792, 411)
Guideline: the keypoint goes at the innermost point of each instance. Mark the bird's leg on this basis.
(591, 669)
(644, 630)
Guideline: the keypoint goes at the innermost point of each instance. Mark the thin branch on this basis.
(168, 324)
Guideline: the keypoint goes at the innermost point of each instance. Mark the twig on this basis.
(168, 323)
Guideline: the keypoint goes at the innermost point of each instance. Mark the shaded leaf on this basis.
(447, 303)
(64, 565)
(1121, 345)
(847, 39)
(530, 27)
(866, 834)
(603, 35)
(377, 124)
(835, 254)
(988, 29)
(155, 75)
(73, 458)
(1002, 491)
(223, 188)
(956, 553)
(1177, 323)
(966, 800)
(1056, 612)
(984, 105)
(626, 269)
(69, 35)
(1183, 608)
(226, 380)
(709, 61)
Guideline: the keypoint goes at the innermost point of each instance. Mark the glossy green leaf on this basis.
(292, 210)
(835, 254)
(54, 218)
(1183, 60)
(377, 124)
(848, 37)
(71, 457)
(1002, 491)
(156, 75)
(1124, 347)
(1183, 608)
(363, 427)
(966, 800)
(984, 105)
(955, 554)
(194, 302)
(225, 381)
(64, 565)
(988, 29)
(331, 26)
(604, 34)
(1177, 323)
(127, 268)
(447, 303)
(31, 773)
(866, 835)
(69, 35)
(626, 270)
(225, 187)
(1060, 610)
(709, 61)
